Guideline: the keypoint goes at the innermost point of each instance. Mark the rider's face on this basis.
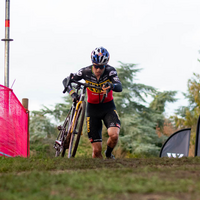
(98, 70)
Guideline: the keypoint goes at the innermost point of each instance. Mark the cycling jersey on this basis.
(94, 95)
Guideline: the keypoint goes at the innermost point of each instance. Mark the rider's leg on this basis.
(113, 133)
(97, 148)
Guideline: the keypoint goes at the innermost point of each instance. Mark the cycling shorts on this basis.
(95, 114)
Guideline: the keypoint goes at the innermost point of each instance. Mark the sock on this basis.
(109, 151)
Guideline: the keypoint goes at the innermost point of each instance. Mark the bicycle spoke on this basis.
(60, 141)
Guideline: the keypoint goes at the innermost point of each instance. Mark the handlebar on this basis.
(68, 82)
(85, 85)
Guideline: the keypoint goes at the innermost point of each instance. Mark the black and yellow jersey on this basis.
(94, 95)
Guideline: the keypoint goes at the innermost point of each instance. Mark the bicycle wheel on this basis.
(60, 143)
(77, 130)
(66, 139)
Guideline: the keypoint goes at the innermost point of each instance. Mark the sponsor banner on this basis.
(177, 145)
(197, 145)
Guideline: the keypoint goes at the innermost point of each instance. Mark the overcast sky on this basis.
(55, 37)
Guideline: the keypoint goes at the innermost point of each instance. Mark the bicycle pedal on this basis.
(55, 147)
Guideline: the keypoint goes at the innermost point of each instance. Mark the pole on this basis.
(25, 104)
(7, 43)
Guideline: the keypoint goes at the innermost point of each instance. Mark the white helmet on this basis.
(100, 56)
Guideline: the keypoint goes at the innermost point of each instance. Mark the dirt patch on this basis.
(162, 196)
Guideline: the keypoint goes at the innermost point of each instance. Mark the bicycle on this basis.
(71, 130)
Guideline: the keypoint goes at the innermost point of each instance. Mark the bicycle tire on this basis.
(76, 133)
(59, 148)
(57, 153)
(66, 142)
(62, 137)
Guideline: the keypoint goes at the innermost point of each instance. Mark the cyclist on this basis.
(103, 75)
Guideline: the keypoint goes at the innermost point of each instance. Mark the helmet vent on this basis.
(100, 56)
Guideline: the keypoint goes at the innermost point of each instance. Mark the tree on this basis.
(60, 110)
(187, 116)
(139, 119)
(40, 126)
(43, 123)
(158, 105)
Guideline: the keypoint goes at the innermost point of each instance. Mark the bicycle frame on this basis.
(67, 135)
(76, 105)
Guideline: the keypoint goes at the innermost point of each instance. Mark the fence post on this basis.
(25, 104)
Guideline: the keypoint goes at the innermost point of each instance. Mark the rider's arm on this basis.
(77, 76)
(117, 87)
(69, 88)
(116, 84)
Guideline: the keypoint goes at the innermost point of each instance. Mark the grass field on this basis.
(43, 177)
(40, 177)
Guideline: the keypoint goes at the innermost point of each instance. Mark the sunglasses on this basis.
(99, 66)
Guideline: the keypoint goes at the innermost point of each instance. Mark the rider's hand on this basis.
(107, 86)
(75, 96)
(65, 82)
